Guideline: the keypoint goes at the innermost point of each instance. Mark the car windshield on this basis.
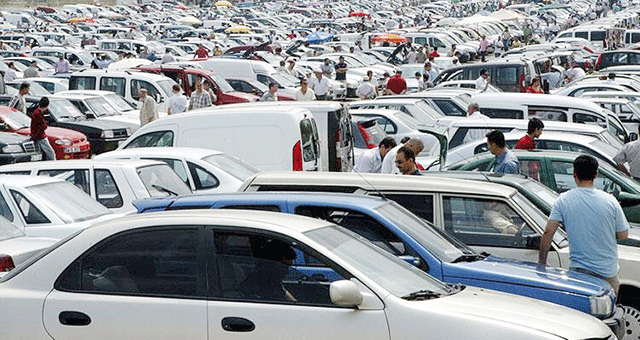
(611, 139)
(232, 165)
(426, 234)
(16, 120)
(166, 86)
(409, 121)
(161, 181)
(118, 102)
(391, 273)
(85, 57)
(63, 109)
(559, 238)
(428, 109)
(8, 230)
(221, 82)
(67, 201)
(282, 80)
(100, 107)
(608, 149)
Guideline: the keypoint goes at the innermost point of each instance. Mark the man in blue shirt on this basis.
(593, 220)
(506, 161)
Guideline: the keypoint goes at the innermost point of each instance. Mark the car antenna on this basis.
(371, 184)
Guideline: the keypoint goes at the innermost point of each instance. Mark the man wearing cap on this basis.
(31, 71)
(320, 85)
(396, 84)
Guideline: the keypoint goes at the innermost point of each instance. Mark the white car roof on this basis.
(26, 180)
(178, 152)
(126, 163)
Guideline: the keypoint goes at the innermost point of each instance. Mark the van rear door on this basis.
(306, 152)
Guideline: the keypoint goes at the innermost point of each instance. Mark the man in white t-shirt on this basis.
(320, 86)
(304, 93)
(178, 102)
(574, 73)
(482, 83)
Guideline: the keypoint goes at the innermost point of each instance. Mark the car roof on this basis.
(264, 220)
(373, 182)
(549, 125)
(535, 99)
(383, 112)
(83, 92)
(197, 153)
(127, 163)
(386, 101)
(26, 180)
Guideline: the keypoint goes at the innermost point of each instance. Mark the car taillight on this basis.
(368, 139)
(297, 157)
(6, 263)
(598, 62)
(523, 86)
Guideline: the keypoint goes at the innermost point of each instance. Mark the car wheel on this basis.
(632, 323)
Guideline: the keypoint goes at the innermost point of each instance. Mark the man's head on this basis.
(341, 59)
(318, 74)
(176, 88)
(43, 103)
(418, 75)
(326, 61)
(406, 160)
(611, 76)
(495, 142)
(34, 63)
(484, 73)
(415, 144)
(370, 74)
(198, 85)
(291, 63)
(473, 107)
(386, 144)
(585, 168)
(24, 88)
(273, 87)
(304, 84)
(206, 86)
(142, 93)
(534, 128)
(427, 66)
(399, 72)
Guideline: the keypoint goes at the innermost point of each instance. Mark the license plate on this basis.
(37, 157)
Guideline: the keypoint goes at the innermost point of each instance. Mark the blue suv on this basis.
(400, 232)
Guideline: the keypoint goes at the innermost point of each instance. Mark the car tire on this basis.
(632, 323)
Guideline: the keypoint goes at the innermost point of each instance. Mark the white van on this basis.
(126, 84)
(549, 107)
(251, 69)
(596, 34)
(334, 128)
(631, 37)
(269, 138)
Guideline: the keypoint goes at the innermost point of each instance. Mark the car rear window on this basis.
(310, 139)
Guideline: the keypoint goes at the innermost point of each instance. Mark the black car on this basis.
(15, 148)
(102, 134)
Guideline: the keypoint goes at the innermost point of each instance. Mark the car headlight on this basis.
(12, 148)
(601, 305)
(63, 142)
(107, 134)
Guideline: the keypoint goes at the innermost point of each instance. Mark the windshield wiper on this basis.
(163, 189)
(422, 295)
(468, 258)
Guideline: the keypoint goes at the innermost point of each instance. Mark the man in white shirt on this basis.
(366, 90)
(10, 74)
(304, 93)
(178, 102)
(62, 65)
(473, 112)
(167, 57)
(482, 83)
(371, 160)
(320, 86)
(574, 73)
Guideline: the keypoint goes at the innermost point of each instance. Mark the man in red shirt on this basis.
(38, 126)
(201, 52)
(396, 84)
(534, 130)
(435, 53)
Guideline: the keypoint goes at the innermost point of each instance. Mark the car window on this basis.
(176, 165)
(616, 129)
(265, 268)
(563, 176)
(116, 85)
(387, 125)
(548, 113)
(484, 222)
(137, 84)
(107, 192)
(587, 118)
(30, 213)
(531, 168)
(503, 113)
(153, 139)
(506, 77)
(77, 177)
(5, 211)
(419, 204)
(309, 140)
(82, 83)
(202, 178)
(449, 108)
(151, 263)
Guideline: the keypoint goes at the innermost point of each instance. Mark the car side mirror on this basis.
(633, 136)
(533, 242)
(414, 261)
(345, 293)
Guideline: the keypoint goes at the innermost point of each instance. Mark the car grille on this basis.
(119, 133)
(30, 146)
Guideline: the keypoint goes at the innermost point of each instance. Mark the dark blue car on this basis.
(397, 230)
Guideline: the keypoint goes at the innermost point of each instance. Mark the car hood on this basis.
(96, 124)
(496, 269)
(57, 133)
(517, 310)
(248, 96)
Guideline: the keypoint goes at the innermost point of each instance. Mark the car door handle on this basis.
(236, 324)
(74, 318)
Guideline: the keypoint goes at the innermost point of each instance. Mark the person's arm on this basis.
(545, 242)
(622, 235)
(623, 168)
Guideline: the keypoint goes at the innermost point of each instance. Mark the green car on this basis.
(555, 170)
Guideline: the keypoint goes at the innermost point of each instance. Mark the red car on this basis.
(186, 77)
(68, 144)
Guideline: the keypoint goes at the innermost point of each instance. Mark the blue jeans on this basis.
(47, 150)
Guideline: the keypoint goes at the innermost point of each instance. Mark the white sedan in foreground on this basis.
(233, 274)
